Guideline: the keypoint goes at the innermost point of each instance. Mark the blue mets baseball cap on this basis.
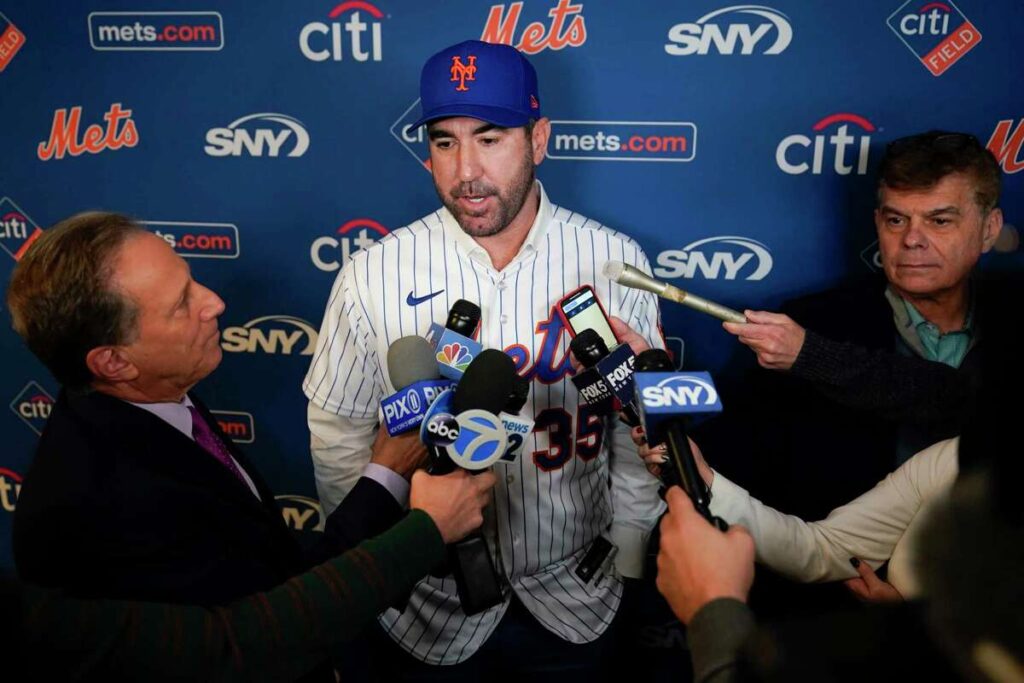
(493, 83)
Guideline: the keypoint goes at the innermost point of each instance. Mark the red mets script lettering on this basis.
(463, 72)
(64, 134)
(1006, 146)
(501, 28)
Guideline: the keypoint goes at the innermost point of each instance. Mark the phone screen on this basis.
(582, 311)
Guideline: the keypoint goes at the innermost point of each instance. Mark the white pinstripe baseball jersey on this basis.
(578, 476)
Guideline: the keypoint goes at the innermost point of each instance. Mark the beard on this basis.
(509, 200)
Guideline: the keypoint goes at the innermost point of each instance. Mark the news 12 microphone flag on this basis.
(267, 142)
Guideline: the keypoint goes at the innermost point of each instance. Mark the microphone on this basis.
(613, 377)
(628, 276)
(454, 343)
(588, 347)
(666, 399)
(413, 372)
(516, 426)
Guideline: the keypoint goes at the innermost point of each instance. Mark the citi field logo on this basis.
(455, 355)
(10, 489)
(872, 257)
(938, 33)
(566, 29)
(749, 27)
(680, 390)
(274, 334)
(301, 513)
(17, 230)
(1006, 145)
(197, 240)
(414, 140)
(11, 40)
(716, 258)
(237, 425)
(623, 140)
(175, 31)
(320, 42)
(120, 131)
(797, 154)
(33, 405)
(258, 135)
(333, 252)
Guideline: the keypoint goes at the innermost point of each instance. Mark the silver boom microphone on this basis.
(628, 276)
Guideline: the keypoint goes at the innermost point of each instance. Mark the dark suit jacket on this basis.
(119, 504)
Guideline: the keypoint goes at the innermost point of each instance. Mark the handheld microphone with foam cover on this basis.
(588, 347)
(517, 426)
(634, 278)
(454, 345)
(413, 372)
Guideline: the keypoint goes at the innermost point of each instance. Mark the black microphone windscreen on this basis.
(520, 392)
(463, 318)
(589, 347)
(653, 360)
(411, 359)
(486, 384)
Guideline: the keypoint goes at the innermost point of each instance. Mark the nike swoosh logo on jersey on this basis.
(417, 300)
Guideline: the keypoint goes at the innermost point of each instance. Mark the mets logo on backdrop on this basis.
(17, 230)
(238, 425)
(33, 405)
(11, 40)
(64, 137)
(937, 32)
(320, 42)
(197, 240)
(567, 28)
(10, 489)
(1006, 145)
(332, 252)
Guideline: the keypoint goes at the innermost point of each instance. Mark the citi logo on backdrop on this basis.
(67, 139)
(847, 147)
(567, 27)
(938, 33)
(33, 405)
(258, 135)
(10, 489)
(727, 257)
(17, 230)
(355, 39)
(739, 29)
(332, 252)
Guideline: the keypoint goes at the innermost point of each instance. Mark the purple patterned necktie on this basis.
(205, 437)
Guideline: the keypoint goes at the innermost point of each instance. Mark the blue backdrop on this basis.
(267, 141)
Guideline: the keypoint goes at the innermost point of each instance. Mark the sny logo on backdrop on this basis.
(156, 31)
(33, 405)
(11, 40)
(563, 31)
(237, 425)
(17, 230)
(10, 489)
(330, 253)
(266, 140)
(64, 133)
(315, 45)
(276, 334)
(937, 32)
(713, 255)
(197, 240)
(301, 513)
(623, 140)
(1006, 146)
(839, 141)
(743, 28)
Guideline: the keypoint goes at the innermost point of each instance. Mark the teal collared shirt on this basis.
(926, 339)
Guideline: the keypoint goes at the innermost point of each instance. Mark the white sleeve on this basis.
(635, 501)
(340, 447)
(868, 527)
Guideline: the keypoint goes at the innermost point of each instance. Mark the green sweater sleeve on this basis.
(277, 635)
